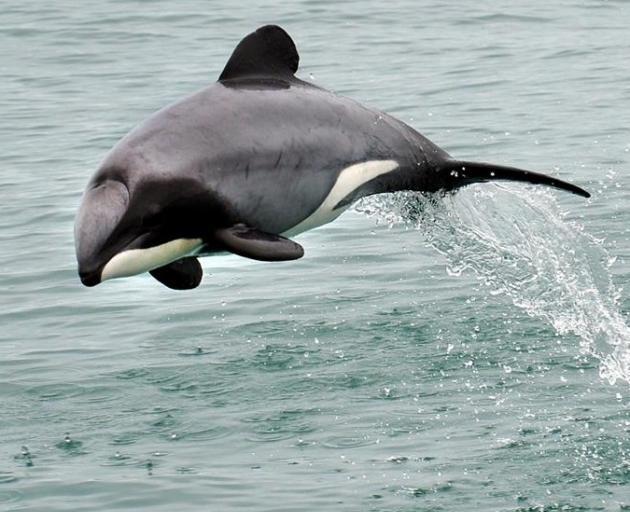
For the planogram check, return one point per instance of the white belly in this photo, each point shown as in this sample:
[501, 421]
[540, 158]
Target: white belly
[135, 261]
[350, 179]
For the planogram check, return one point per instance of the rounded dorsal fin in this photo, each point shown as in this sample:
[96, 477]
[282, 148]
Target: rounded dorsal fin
[268, 52]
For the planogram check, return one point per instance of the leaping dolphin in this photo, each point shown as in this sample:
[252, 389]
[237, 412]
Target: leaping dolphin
[247, 162]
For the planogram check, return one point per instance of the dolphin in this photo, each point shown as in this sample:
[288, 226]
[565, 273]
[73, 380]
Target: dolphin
[248, 162]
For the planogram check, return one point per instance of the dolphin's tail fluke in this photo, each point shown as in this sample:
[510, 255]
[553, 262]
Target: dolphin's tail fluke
[460, 173]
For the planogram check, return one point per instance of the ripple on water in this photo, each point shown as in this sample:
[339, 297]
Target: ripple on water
[58, 391]
[424, 491]
[344, 442]
[196, 352]
[167, 421]
[277, 357]
[132, 373]
[280, 426]
[71, 446]
[9, 496]
[121, 459]
[205, 434]
[162, 376]
[126, 438]
[7, 478]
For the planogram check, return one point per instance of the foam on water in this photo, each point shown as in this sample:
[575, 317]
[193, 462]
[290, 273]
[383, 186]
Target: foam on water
[524, 246]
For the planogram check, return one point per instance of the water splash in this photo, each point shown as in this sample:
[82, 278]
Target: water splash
[523, 246]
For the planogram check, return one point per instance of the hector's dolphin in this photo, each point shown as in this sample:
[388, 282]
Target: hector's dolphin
[241, 165]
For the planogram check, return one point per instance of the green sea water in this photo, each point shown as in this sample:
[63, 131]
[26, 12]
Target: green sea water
[468, 352]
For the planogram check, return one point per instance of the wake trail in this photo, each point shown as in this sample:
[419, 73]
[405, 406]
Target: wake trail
[520, 243]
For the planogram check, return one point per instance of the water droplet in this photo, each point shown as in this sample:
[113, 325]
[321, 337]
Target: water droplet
[25, 455]
[397, 459]
[69, 445]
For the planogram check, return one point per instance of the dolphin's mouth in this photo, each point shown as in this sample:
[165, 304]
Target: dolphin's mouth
[96, 274]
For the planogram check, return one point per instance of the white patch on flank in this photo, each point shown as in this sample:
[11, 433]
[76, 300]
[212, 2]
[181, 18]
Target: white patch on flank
[350, 179]
[136, 261]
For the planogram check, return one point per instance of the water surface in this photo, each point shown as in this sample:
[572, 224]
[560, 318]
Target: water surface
[464, 353]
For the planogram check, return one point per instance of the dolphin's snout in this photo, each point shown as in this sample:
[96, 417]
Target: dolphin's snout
[102, 208]
[91, 278]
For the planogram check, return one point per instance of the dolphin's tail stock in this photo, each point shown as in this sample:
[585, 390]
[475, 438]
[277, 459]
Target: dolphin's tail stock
[459, 173]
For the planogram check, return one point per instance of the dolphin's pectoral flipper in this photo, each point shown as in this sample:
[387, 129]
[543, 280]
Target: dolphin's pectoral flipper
[258, 245]
[183, 274]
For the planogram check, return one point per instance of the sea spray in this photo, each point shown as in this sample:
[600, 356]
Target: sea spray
[520, 243]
